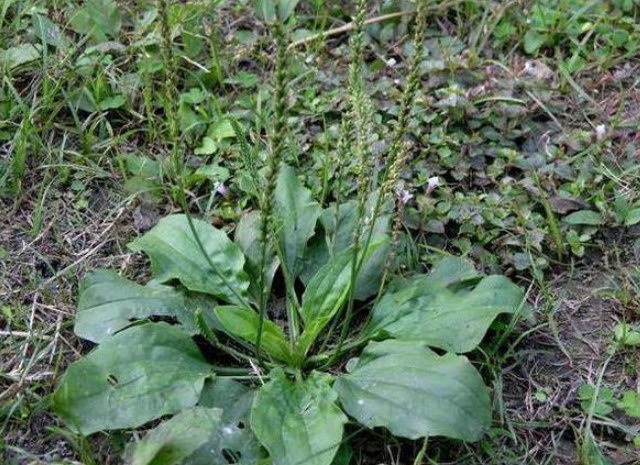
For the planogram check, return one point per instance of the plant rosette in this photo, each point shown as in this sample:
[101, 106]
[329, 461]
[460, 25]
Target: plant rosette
[284, 397]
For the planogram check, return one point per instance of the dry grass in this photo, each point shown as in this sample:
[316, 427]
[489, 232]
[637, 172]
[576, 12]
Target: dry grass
[38, 284]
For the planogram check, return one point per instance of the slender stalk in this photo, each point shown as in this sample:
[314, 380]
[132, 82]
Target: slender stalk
[397, 225]
[170, 82]
[216, 64]
[359, 112]
[246, 153]
[341, 157]
[398, 149]
[277, 148]
[396, 159]
[171, 99]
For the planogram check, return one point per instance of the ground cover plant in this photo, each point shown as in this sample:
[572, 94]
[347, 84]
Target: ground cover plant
[142, 371]
[118, 118]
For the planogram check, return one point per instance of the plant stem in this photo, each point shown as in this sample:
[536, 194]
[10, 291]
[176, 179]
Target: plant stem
[170, 83]
[277, 148]
[423, 450]
[398, 149]
[171, 97]
[359, 112]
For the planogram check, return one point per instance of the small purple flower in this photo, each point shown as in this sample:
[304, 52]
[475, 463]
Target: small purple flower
[222, 189]
[405, 196]
[432, 184]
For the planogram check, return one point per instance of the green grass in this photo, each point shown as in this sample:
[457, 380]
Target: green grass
[522, 122]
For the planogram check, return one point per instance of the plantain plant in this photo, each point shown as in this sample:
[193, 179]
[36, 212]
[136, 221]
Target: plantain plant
[260, 348]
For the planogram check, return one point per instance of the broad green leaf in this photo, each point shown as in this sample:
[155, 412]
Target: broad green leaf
[248, 238]
[432, 309]
[109, 303]
[221, 129]
[413, 392]
[232, 397]
[207, 147]
[602, 404]
[175, 254]
[265, 9]
[19, 55]
[453, 271]
[215, 173]
[326, 293]
[136, 376]
[178, 438]
[298, 422]
[286, 8]
[99, 18]
[327, 290]
[324, 296]
[337, 236]
[234, 436]
[45, 30]
[112, 102]
[243, 323]
[296, 214]
[586, 217]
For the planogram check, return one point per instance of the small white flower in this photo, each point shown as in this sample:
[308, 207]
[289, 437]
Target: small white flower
[391, 62]
[601, 131]
[432, 184]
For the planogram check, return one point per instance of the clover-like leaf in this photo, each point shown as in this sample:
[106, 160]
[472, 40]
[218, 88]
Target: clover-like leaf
[298, 422]
[175, 254]
[601, 400]
[630, 403]
[443, 308]
[135, 376]
[413, 392]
